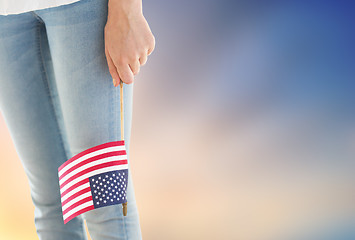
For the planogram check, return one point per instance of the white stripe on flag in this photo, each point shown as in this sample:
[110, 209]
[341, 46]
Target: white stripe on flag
[75, 190]
[78, 208]
[91, 164]
[92, 154]
[77, 199]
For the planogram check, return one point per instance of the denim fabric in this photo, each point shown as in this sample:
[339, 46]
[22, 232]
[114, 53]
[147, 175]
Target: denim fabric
[57, 99]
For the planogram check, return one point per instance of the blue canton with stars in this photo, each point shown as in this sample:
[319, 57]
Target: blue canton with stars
[109, 188]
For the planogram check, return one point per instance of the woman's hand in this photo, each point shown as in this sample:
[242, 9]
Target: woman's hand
[128, 39]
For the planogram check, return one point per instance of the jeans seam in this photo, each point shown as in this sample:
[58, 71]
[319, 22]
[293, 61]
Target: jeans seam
[36, 16]
[45, 82]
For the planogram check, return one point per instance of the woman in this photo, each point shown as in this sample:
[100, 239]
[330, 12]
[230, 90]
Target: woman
[60, 65]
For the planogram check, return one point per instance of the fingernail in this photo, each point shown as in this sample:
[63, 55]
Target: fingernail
[114, 82]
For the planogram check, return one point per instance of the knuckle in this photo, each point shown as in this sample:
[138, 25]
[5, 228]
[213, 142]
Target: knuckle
[127, 80]
[131, 58]
[136, 71]
[142, 54]
[152, 41]
[121, 61]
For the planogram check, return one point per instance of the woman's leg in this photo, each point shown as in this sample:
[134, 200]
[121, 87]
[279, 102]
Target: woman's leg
[90, 103]
[29, 105]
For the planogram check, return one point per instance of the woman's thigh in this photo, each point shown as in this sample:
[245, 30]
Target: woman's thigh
[29, 105]
[89, 102]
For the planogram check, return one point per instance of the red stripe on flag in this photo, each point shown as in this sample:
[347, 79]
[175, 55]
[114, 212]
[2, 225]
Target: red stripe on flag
[86, 180]
[78, 213]
[78, 203]
[93, 168]
[92, 159]
[92, 149]
[85, 190]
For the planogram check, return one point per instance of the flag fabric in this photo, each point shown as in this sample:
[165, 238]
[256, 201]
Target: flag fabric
[96, 177]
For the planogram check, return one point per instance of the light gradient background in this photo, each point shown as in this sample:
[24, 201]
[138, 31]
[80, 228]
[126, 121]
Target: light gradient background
[243, 125]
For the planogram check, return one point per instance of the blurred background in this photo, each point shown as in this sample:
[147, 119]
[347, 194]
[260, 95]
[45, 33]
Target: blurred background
[243, 125]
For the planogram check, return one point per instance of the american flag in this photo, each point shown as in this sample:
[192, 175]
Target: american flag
[94, 178]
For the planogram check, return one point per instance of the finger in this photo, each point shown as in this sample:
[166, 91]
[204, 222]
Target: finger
[112, 69]
[143, 59]
[152, 46]
[125, 73]
[150, 50]
[135, 67]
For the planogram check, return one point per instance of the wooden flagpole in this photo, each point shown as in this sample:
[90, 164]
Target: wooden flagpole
[124, 205]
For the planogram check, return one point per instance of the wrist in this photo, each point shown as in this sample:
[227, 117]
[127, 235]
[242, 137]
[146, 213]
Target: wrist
[126, 8]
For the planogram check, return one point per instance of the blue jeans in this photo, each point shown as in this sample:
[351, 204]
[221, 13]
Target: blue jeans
[57, 99]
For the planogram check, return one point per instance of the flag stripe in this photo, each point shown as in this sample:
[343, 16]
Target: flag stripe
[90, 150]
[77, 208]
[94, 164]
[77, 194]
[119, 149]
[93, 168]
[120, 155]
[87, 175]
[91, 164]
[78, 203]
[77, 186]
[85, 209]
